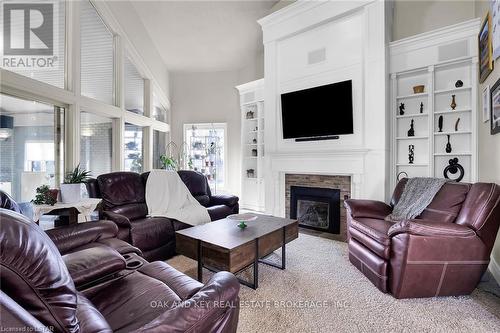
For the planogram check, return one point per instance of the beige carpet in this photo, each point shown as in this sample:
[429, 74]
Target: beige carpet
[320, 291]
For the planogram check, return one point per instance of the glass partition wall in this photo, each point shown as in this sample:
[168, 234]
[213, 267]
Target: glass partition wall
[101, 107]
[31, 146]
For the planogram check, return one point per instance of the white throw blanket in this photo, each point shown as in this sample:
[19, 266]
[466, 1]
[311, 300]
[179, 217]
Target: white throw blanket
[168, 196]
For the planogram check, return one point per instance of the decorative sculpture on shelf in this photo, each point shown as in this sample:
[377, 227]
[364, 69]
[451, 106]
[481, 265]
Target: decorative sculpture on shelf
[453, 102]
[411, 131]
[411, 154]
[459, 84]
[402, 109]
[421, 107]
[456, 125]
[453, 168]
[448, 145]
[254, 152]
[440, 123]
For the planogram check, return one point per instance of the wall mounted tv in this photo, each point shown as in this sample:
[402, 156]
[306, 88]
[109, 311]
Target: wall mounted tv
[318, 113]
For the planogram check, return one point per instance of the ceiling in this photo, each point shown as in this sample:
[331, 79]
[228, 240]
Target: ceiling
[205, 36]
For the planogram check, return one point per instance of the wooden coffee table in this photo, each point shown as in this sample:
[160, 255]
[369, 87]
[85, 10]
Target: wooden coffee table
[222, 246]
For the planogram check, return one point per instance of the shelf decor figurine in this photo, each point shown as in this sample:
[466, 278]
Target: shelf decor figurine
[411, 154]
[459, 84]
[250, 115]
[456, 125]
[418, 89]
[254, 152]
[453, 168]
[254, 141]
[448, 145]
[250, 173]
[440, 123]
[411, 131]
[453, 103]
[402, 109]
[421, 107]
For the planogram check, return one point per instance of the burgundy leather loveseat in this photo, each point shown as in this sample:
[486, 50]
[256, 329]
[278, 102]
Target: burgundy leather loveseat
[38, 292]
[124, 203]
[442, 252]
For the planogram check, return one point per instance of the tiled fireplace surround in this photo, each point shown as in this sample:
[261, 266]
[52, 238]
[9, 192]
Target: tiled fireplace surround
[343, 183]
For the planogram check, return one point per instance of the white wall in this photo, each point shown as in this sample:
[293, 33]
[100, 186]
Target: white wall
[414, 17]
[127, 17]
[212, 98]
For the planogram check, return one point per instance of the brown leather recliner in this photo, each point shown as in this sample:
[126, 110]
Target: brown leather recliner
[442, 252]
[38, 293]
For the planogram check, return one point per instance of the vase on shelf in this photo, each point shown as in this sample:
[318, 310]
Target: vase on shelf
[440, 123]
[448, 145]
[453, 102]
[411, 154]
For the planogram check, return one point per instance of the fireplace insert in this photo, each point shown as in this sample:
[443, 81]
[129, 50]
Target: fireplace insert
[316, 208]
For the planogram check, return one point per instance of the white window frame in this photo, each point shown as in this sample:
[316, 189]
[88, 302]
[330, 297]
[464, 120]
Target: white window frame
[74, 103]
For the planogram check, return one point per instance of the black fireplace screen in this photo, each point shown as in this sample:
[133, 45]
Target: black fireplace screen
[316, 208]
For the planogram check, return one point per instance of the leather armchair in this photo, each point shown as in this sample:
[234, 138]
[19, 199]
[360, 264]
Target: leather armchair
[442, 252]
[153, 298]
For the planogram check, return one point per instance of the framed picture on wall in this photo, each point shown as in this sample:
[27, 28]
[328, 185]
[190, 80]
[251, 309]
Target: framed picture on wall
[486, 103]
[495, 27]
[485, 49]
[495, 108]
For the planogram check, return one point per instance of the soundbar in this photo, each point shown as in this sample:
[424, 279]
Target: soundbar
[318, 138]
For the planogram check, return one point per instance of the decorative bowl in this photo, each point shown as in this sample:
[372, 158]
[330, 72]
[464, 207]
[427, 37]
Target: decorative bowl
[418, 89]
[244, 217]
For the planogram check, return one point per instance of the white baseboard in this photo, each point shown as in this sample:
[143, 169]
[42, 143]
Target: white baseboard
[494, 268]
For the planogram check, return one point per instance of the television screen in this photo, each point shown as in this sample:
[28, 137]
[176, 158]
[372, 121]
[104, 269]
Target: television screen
[319, 111]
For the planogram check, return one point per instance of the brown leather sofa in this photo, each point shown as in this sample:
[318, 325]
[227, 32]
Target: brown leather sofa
[442, 252]
[38, 293]
[124, 203]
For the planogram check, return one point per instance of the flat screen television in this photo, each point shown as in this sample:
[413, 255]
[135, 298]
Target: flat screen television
[324, 111]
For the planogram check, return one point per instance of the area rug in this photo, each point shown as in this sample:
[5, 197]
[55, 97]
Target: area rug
[320, 291]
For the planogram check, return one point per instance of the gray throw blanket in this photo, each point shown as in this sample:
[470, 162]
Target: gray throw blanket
[417, 195]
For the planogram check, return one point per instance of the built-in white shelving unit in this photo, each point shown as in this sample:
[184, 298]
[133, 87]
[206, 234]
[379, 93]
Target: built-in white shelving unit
[442, 61]
[252, 145]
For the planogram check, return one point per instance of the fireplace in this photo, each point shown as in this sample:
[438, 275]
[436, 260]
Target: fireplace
[316, 208]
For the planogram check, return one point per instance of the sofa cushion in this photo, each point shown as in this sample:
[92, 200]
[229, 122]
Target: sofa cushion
[136, 299]
[196, 182]
[121, 188]
[151, 232]
[89, 318]
[447, 203]
[374, 228]
[219, 212]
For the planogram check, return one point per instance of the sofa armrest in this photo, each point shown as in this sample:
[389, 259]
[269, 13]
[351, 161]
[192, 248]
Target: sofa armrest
[224, 199]
[367, 208]
[204, 312]
[430, 228]
[121, 220]
[73, 236]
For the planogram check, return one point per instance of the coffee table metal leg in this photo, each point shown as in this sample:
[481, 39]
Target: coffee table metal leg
[256, 265]
[200, 263]
[283, 251]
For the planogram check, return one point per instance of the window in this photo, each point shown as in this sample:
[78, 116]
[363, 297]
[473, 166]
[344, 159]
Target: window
[159, 110]
[205, 151]
[133, 151]
[97, 58]
[48, 68]
[159, 148]
[134, 88]
[96, 143]
[30, 146]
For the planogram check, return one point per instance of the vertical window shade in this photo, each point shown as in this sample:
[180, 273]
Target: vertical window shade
[50, 75]
[97, 55]
[96, 143]
[134, 88]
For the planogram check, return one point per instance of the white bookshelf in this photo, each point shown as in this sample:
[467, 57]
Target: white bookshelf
[252, 144]
[439, 78]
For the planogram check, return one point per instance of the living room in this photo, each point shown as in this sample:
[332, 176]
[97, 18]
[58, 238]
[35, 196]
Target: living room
[250, 166]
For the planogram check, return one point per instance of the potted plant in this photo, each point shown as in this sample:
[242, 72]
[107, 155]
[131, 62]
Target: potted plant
[169, 163]
[73, 189]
